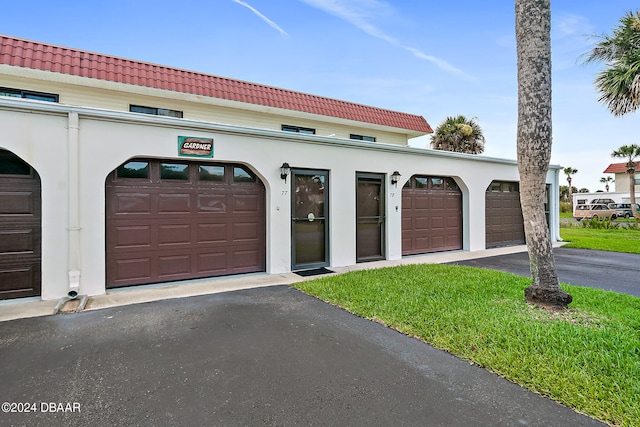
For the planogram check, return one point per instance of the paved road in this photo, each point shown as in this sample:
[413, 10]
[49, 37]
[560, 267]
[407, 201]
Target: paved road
[611, 271]
[259, 357]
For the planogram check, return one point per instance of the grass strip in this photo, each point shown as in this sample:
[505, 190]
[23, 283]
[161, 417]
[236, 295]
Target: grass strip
[587, 357]
[615, 240]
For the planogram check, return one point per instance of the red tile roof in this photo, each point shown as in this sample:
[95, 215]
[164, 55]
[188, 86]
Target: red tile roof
[40, 56]
[617, 168]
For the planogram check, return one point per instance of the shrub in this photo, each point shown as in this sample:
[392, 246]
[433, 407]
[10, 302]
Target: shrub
[566, 207]
[602, 224]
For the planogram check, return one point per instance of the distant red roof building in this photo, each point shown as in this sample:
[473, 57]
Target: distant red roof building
[617, 168]
[40, 56]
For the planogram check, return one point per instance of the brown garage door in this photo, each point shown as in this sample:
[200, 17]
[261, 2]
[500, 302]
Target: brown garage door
[503, 215]
[431, 215]
[172, 220]
[20, 228]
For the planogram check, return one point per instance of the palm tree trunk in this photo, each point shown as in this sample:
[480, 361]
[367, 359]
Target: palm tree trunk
[533, 27]
[632, 193]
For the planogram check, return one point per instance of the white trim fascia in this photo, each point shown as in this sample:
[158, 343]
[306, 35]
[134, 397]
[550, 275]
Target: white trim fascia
[28, 105]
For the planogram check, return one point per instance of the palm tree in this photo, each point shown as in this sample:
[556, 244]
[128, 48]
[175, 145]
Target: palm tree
[606, 180]
[619, 82]
[630, 152]
[568, 171]
[533, 42]
[460, 135]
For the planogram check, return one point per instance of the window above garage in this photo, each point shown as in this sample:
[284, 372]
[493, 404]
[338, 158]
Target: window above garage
[28, 94]
[298, 129]
[155, 111]
[362, 137]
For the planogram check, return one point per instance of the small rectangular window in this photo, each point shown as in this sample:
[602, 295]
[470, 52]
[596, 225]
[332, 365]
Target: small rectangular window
[362, 137]
[298, 129]
[10, 164]
[451, 184]
[241, 175]
[174, 171]
[636, 179]
[28, 94]
[134, 170]
[437, 184]
[421, 182]
[211, 173]
[155, 111]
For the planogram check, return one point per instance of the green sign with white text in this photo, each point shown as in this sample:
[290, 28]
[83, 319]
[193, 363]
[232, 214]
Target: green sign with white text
[191, 146]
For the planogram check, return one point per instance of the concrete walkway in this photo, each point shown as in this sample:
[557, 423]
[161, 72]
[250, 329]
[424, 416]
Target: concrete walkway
[33, 307]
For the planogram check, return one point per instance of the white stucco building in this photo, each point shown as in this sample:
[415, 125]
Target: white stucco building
[116, 172]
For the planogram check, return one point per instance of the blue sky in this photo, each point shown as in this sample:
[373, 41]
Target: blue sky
[428, 58]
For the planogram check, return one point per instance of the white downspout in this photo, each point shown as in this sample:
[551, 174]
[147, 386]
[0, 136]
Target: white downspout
[554, 203]
[74, 205]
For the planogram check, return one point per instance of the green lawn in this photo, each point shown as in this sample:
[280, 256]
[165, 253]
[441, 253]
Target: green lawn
[587, 357]
[605, 240]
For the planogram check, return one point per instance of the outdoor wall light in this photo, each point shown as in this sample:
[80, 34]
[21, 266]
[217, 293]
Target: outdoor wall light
[284, 171]
[395, 177]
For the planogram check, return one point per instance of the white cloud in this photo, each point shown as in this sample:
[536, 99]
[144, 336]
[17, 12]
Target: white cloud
[569, 25]
[439, 62]
[264, 18]
[359, 13]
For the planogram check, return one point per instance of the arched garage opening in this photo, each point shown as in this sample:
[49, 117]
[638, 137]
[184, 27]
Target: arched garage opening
[431, 215]
[20, 228]
[504, 224]
[170, 220]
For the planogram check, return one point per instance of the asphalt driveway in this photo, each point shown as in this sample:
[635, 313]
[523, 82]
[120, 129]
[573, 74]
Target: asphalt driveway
[264, 356]
[611, 271]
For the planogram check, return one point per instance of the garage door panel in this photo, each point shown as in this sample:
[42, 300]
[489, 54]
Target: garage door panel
[437, 223]
[437, 202]
[172, 265]
[406, 223]
[438, 242]
[246, 259]
[174, 204]
[17, 282]
[213, 263]
[453, 202]
[175, 235]
[212, 233]
[212, 203]
[134, 269]
[131, 203]
[421, 223]
[248, 231]
[421, 203]
[246, 203]
[17, 241]
[407, 201]
[137, 237]
[17, 203]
